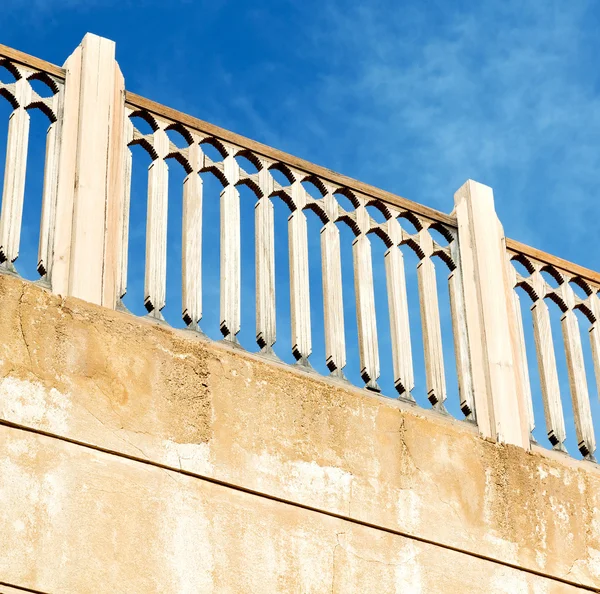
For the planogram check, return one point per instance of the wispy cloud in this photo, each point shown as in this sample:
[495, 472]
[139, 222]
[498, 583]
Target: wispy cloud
[503, 99]
[417, 102]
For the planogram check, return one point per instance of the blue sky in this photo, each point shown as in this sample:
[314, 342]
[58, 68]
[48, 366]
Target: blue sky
[413, 97]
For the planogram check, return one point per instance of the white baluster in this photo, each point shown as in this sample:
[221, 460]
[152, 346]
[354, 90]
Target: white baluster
[365, 303]
[156, 227]
[14, 176]
[230, 252]
[299, 280]
[333, 305]
[404, 380]
[595, 344]
[49, 193]
[595, 337]
[264, 228]
[124, 224]
[191, 240]
[586, 441]
[524, 367]
[430, 322]
[544, 344]
[459, 333]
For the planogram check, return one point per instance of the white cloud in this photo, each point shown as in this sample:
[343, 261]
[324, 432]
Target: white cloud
[418, 101]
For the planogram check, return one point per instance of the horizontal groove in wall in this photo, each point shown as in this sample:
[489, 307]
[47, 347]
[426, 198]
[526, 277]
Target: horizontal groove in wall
[345, 518]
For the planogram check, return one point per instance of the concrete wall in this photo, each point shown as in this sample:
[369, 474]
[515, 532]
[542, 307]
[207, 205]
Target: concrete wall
[137, 458]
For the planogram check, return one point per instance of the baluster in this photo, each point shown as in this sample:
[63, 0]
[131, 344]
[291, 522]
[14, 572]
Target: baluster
[520, 337]
[430, 321]
[299, 280]
[191, 240]
[524, 367]
[404, 380]
[595, 337]
[264, 228]
[365, 303]
[586, 441]
[230, 251]
[156, 227]
[459, 333]
[124, 255]
[49, 192]
[14, 176]
[595, 344]
[544, 346]
[399, 323]
[333, 305]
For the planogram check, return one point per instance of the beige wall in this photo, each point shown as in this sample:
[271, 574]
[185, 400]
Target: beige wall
[136, 458]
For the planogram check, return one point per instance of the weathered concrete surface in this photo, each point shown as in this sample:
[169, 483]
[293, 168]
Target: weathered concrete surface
[136, 389]
[77, 520]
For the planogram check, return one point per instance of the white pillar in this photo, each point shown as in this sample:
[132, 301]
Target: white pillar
[90, 202]
[491, 318]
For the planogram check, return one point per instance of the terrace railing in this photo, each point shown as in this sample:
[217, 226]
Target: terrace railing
[23, 98]
[567, 277]
[84, 242]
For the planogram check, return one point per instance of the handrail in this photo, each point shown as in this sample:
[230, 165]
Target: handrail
[31, 61]
[546, 258]
[336, 178]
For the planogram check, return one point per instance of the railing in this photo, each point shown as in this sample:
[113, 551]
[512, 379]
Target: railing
[298, 200]
[84, 244]
[567, 276]
[24, 98]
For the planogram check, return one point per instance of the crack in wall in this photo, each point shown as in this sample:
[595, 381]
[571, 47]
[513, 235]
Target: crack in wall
[20, 320]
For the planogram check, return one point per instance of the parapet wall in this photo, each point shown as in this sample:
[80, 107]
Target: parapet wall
[139, 458]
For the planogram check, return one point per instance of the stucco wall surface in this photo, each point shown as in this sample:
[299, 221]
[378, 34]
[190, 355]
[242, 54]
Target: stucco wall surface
[78, 520]
[138, 458]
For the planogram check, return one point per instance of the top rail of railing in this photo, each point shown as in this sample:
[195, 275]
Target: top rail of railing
[199, 125]
[31, 61]
[139, 102]
[564, 266]
[368, 191]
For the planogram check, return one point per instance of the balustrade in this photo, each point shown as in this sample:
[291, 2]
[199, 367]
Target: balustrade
[539, 290]
[23, 98]
[331, 213]
[488, 341]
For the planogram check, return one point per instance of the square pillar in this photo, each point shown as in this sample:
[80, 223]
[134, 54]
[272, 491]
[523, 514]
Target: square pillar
[90, 198]
[492, 327]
